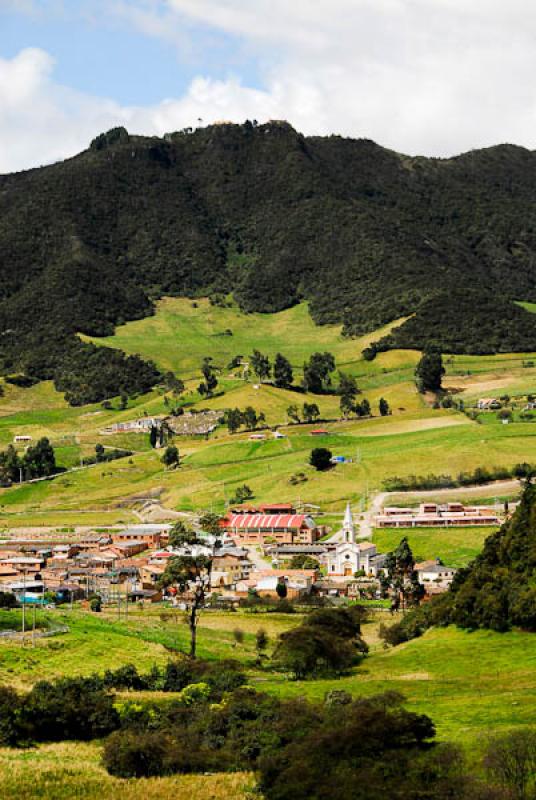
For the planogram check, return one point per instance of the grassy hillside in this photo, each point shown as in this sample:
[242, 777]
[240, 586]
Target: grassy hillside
[464, 681]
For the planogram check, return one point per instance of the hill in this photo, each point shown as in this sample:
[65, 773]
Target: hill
[365, 234]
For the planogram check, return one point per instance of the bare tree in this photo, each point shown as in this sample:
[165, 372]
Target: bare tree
[191, 577]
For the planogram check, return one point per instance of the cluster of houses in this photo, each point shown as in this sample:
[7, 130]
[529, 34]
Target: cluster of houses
[253, 554]
[433, 515]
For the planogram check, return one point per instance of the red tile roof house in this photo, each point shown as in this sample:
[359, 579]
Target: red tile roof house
[280, 528]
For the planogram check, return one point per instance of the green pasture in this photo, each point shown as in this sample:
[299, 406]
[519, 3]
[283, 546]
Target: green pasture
[212, 470]
[456, 547]
[470, 684]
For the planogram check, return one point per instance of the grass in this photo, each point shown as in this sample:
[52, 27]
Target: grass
[454, 546]
[73, 771]
[468, 683]
[96, 642]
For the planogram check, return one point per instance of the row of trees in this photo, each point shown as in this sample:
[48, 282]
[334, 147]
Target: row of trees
[234, 418]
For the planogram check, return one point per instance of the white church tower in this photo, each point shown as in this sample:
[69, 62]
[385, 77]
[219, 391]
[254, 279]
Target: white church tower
[348, 531]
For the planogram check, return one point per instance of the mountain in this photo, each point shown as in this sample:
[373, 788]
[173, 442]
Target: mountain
[365, 234]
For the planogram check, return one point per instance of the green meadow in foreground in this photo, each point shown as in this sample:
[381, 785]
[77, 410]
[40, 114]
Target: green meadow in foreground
[467, 682]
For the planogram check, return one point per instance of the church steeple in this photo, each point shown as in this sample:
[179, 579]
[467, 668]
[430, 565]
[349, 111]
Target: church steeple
[348, 525]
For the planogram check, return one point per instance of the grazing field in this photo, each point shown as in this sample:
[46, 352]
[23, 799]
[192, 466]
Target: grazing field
[465, 681]
[96, 642]
[73, 771]
[456, 547]
[470, 684]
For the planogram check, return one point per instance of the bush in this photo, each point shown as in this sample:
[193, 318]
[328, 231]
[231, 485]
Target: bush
[136, 754]
[69, 708]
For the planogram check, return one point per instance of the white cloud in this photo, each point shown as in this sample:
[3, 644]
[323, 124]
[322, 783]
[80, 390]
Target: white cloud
[418, 76]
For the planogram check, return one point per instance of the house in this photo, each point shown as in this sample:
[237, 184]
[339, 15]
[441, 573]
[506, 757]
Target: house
[264, 583]
[488, 404]
[319, 432]
[150, 534]
[434, 572]
[229, 565]
[348, 557]
[278, 528]
[258, 436]
[127, 549]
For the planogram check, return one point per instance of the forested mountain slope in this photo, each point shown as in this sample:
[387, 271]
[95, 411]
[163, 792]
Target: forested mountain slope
[363, 233]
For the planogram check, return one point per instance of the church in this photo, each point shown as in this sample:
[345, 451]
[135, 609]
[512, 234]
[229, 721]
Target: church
[347, 557]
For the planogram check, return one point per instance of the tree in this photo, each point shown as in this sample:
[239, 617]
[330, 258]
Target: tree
[320, 458]
[363, 409]
[123, 401]
[293, 413]
[347, 385]
[303, 561]
[99, 453]
[281, 589]
[171, 456]
[505, 414]
[249, 416]
[153, 435]
[242, 493]
[95, 604]
[210, 523]
[317, 372]
[39, 460]
[181, 535]
[511, 761]
[261, 642]
[260, 364]
[429, 371]
[401, 575]
[233, 419]
[208, 386]
[346, 405]
[8, 600]
[310, 412]
[173, 384]
[191, 577]
[283, 375]
[383, 406]
[238, 636]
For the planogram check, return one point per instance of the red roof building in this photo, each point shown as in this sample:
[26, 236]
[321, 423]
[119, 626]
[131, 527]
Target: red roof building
[280, 528]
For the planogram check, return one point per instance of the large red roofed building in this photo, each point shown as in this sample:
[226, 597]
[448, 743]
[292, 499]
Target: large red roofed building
[281, 528]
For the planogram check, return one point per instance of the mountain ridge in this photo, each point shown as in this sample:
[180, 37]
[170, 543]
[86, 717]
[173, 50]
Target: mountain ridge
[365, 234]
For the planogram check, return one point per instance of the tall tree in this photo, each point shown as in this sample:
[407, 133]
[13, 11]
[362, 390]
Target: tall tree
[191, 578]
[293, 413]
[310, 412]
[260, 364]
[384, 407]
[401, 574]
[317, 372]
[429, 371]
[283, 375]
[210, 382]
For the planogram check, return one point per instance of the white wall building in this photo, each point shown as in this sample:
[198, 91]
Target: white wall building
[349, 557]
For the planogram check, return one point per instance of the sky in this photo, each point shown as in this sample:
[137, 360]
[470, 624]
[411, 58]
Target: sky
[428, 77]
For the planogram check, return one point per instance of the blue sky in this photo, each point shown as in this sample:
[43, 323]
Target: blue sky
[432, 77]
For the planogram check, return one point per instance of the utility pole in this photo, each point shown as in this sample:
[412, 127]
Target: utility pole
[23, 605]
[33, 626]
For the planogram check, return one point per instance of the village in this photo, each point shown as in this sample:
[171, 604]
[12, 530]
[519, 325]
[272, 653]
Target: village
[255, 550]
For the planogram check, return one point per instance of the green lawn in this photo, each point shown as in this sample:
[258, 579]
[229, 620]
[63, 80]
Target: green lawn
[456, 547]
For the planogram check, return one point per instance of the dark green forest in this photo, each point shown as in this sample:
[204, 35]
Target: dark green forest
[365, 234]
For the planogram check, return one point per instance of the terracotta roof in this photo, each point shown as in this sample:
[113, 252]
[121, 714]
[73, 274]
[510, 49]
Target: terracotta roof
[266, 521]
